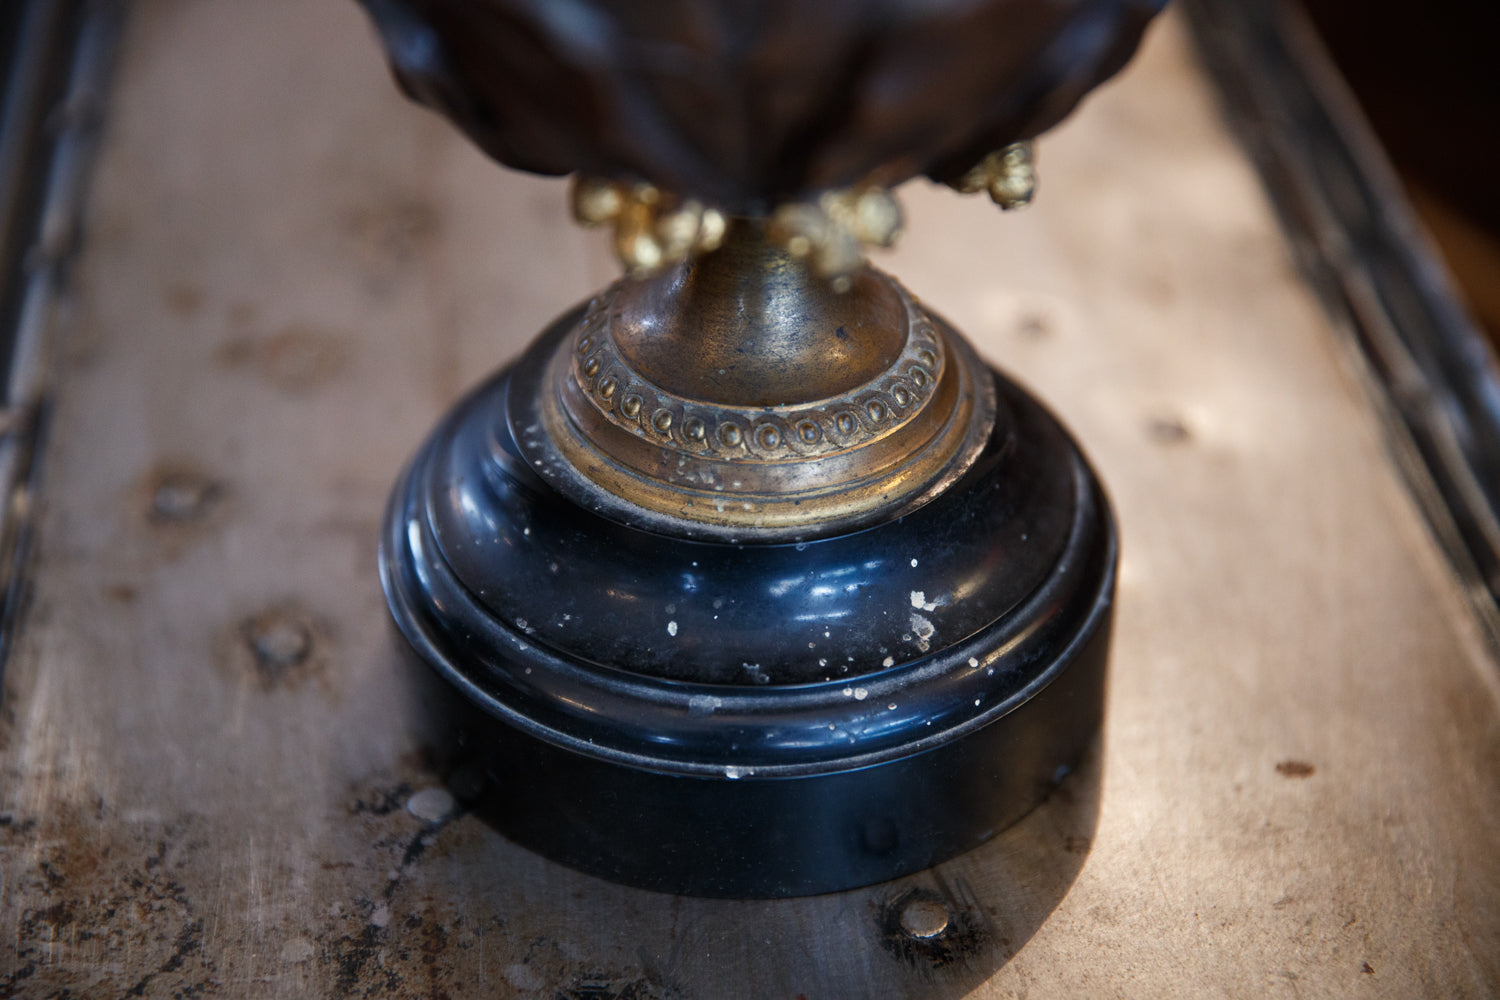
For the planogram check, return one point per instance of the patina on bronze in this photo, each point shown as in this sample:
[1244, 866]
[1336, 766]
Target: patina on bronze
[741, 396]
[749, 577]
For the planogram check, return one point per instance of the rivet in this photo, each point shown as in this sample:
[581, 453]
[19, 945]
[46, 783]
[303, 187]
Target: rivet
[585, 345]
[846, 423]
[767, 436]
[809, 432]
[591, 367]
[730, 435]
[607, 386]
[278, 640]
[918, 375]
[901, 395]
[924, 918]
[692, 428]
[662, 420]
[876, 409]
[927, 357]
[631, 407]
[431, 805]
[182, 496]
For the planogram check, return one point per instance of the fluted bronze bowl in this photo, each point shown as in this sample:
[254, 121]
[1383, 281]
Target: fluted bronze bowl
[748, 104]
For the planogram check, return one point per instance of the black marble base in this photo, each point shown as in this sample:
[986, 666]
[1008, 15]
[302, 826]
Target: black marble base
[740, 719]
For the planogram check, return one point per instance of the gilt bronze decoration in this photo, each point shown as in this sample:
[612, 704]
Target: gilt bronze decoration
[749, 577]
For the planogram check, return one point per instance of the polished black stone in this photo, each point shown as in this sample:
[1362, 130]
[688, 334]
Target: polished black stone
[755, 719]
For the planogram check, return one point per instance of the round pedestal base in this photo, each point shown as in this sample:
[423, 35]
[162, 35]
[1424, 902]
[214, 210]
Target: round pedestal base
[723, 718]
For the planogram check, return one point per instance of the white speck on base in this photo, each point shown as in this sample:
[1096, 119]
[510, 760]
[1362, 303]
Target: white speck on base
[703, 704]
[848, 692]
[973, 662]
[671, 628]
[381, 916]
[734, 773]
[526, 532]
[889, 661]
[923, 629]
[913, 564]
[976, 701]
[919, 600]
[860, 694]
[822, 663]
[891, 706]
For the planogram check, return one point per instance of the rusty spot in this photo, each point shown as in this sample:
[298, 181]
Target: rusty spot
[180, 494]
[103, 913]
[282, 646]
[925, 929]
[1366, 968]
[297, 359]
[1168, 430]
[1295, 769]
[183, 299]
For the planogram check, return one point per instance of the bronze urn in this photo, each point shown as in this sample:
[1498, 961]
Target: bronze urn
[749, 577]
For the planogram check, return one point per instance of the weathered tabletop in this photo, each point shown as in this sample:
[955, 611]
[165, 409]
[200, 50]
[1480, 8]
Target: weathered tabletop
[212, 785]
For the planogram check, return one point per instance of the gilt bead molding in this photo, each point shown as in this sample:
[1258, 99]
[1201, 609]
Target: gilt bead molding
[756, 434]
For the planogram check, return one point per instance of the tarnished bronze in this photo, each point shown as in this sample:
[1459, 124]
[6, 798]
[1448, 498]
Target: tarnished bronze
[741, 392]
[591, 548]
[759, 379]
[1008, 175]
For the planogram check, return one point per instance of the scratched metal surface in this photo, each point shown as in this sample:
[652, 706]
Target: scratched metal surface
[209, 752]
